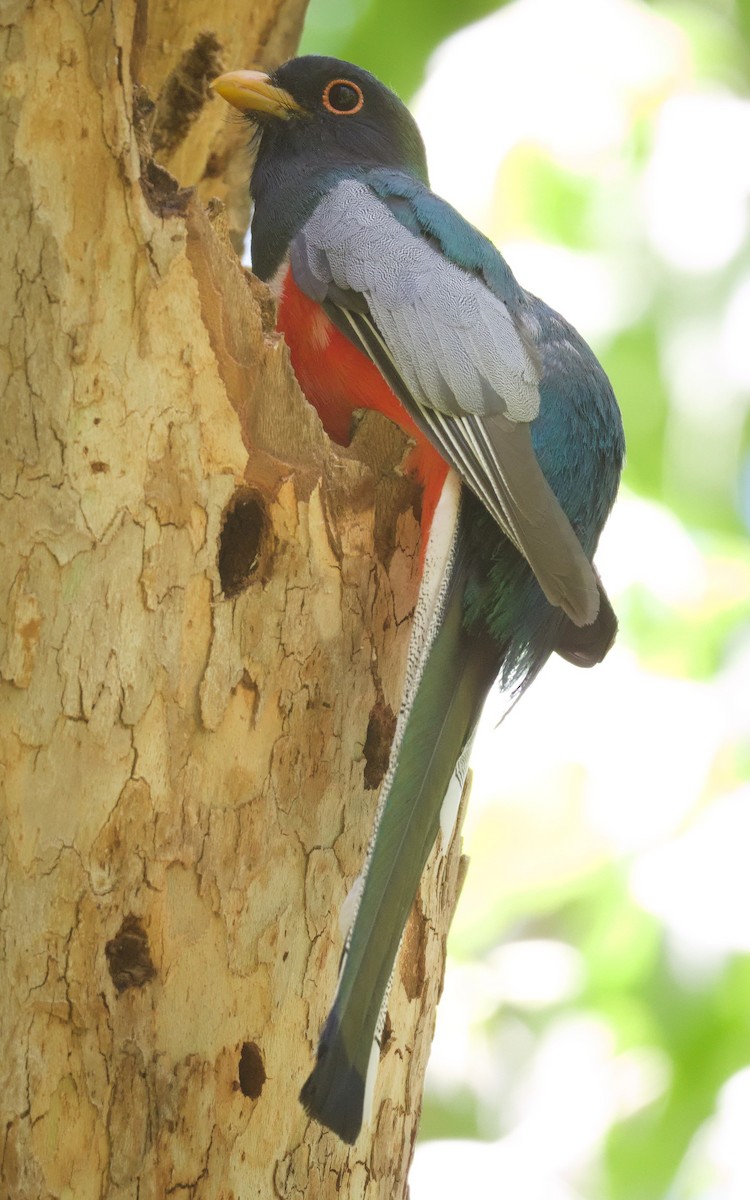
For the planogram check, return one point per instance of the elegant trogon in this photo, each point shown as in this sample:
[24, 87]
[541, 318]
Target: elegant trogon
[390, 300]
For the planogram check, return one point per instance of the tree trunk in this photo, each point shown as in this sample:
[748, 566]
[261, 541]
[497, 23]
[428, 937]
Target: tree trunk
[204, 616]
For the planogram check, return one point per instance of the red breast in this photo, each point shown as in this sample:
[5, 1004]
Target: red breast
[338, 379]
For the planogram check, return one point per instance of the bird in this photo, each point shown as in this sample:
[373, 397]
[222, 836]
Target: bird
[390, 300]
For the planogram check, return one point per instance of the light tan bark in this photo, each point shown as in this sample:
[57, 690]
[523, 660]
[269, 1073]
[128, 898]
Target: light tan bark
[204, 614]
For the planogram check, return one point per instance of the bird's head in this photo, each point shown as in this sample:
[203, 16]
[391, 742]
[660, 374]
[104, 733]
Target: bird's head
[325, 115]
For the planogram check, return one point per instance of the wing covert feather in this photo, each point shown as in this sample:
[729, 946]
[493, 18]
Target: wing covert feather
[427, 308]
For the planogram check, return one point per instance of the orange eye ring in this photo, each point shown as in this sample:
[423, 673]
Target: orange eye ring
[342, 112]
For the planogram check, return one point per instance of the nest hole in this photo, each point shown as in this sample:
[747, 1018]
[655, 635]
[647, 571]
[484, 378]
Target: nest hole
[252, 1073]
[240, 542]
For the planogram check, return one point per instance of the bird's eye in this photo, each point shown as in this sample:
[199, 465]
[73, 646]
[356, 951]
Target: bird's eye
[343, 97]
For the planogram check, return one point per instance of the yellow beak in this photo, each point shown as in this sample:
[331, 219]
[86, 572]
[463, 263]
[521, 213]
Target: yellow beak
[252, 91]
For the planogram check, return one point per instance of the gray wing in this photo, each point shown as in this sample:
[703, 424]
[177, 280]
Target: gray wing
[453, 354]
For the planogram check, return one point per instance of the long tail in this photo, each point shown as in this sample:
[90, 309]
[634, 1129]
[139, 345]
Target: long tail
[450, 673]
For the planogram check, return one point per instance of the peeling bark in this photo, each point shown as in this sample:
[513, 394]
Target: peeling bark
[204, 616]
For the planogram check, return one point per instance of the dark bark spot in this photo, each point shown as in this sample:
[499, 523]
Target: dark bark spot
[162, 192]
[185, 92]
[252, 1073]
[128, 955]
[99, 468]
[216, 165]
[385, 1038]
[380, 730]
[240, 542]
[413, 949]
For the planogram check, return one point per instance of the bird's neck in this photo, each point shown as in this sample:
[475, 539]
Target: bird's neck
[283, 199]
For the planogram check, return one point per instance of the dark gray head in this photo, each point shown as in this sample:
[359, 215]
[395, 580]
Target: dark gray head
[326, 114]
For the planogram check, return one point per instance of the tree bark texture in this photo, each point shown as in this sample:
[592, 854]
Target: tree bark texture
[204, 616]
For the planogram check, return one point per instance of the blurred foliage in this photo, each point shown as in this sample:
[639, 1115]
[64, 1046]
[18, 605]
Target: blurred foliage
[688, 431]
[394, 40]
[391, 38]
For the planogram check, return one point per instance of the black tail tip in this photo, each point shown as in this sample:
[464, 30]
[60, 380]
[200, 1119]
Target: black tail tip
[587, 645]
[334, 1093]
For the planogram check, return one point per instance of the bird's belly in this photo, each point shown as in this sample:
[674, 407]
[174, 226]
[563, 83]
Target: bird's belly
[338, 378]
